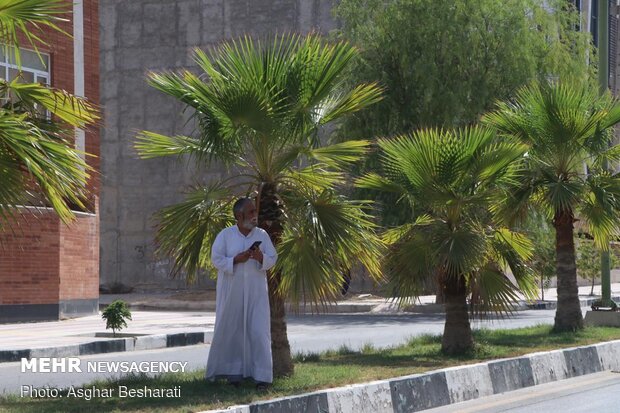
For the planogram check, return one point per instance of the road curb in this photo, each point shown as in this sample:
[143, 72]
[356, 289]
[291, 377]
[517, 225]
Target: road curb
[552, 305]
[145, 342]
[447, 386]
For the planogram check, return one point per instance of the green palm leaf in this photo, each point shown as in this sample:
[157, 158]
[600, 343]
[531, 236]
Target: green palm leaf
[71, 109]
[37, 164]
[26, 18]
[325, 236]
[187, 230]
[339, 155]
[58, 171]
[455, 178]
[152, 145]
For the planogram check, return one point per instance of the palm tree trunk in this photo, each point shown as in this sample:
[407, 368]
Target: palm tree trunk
[568, 314]
[280, 347]
[440, 293]
[457, 336]
[270, 219]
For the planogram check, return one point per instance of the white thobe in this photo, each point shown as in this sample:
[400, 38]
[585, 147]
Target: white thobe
[241, 345]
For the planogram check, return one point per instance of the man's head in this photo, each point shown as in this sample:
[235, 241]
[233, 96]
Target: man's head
[244, 211]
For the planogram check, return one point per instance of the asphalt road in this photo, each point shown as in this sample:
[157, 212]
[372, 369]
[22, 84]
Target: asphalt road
[599, 392]
[317, 333]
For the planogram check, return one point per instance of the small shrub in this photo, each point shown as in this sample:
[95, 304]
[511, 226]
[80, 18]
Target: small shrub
[115, 316]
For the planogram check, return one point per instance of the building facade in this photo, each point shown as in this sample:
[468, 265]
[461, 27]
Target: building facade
[136, 37]
[159, 35]
[49, 270]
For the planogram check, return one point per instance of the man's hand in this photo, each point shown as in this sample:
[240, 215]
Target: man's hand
[256, 254]
[242, 257]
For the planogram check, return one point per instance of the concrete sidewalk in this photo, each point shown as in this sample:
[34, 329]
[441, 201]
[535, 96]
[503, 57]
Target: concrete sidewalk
[204, 300]
[80, 336]
[177, 319]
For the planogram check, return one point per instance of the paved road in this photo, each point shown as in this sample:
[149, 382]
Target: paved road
[599, 392]
[317, 333]
[306, 334]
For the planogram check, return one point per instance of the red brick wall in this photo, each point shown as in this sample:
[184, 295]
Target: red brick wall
[91, 79]
[30, 259]
[79, 258]
[42, 260]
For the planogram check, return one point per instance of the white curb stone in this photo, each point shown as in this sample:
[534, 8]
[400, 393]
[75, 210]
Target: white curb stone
[361, 398]
[151, 342]
[548, 367]
[609, 355]
[468, 382]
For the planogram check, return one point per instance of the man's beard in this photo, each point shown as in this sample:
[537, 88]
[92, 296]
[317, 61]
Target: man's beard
[248, 224]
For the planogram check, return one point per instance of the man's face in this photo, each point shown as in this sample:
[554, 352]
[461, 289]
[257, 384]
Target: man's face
[249, 219]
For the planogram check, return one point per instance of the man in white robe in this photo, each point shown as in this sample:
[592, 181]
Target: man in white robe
[241, 345]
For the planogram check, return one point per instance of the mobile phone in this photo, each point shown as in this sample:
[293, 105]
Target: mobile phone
[255, 245]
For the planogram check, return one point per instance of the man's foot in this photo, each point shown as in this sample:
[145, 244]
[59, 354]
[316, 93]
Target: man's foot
[262, 386]
[234, 383]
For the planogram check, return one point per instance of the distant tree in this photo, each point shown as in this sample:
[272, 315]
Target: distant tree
[542, 261]
[589, 260]
[444, 63]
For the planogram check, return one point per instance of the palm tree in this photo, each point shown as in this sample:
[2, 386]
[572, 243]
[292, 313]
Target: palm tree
[37, 161]
[448, 180]
[568, 131]
[260, 108]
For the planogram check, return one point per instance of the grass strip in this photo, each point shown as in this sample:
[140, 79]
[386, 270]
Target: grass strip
[314, 371]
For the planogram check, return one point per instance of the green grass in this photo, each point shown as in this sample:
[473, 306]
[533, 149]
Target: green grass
[316, 371]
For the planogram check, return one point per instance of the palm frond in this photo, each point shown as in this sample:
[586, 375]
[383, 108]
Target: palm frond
[513, 250]
[411, 264]
[152, 145]
[337, 106]
[332, 232]
[599, 208]
[562, 194]
[186, 231]
[57, 170]
[314, 178]
[394, 235]
[377, 182]
[339, 155]
[491, 292]
[71, 109]
[25, 19]
[12, 191]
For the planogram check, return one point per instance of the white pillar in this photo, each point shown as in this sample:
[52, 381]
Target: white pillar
[78, 64]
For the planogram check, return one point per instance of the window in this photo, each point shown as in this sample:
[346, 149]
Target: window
[34, 67]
